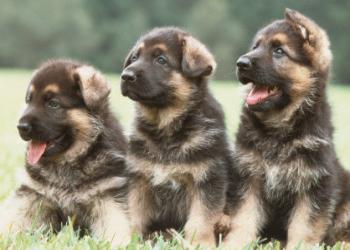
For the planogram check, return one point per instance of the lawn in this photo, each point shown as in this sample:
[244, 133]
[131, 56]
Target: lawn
[13, 85]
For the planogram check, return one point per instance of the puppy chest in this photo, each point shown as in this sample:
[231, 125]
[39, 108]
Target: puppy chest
[293, 177]
[170, 207]
[176, 174]
[280, 176]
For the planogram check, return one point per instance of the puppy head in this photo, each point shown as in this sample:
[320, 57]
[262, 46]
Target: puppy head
[164, 65]
[287, 60]
[62, 99]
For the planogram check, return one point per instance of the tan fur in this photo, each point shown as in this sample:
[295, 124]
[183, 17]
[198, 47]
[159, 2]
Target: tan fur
[318, 45]
[160, 46]
[246, 222]
[111, 222]
[13, 214]
[31, 88]
[164, 117]
[302, 229]
[159, 173]
[259, 38]
[284, 42]
[24, 212]
[339, 231]
[94, 86]
[54, 88]
[65, 198]
[301, 77]
[199, 139]
[139, 206]
[194, 52]
[199, 228]
[310, 142]
[296, 176]
[301, 87]
[86, 130]
[141, 46]
[223, 226]
[280, 37]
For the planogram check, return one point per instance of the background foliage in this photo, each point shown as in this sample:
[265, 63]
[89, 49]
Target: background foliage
[101, 32]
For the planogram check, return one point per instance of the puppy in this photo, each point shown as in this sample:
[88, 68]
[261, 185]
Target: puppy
[293, 187]
[178, 151]
[75, 157]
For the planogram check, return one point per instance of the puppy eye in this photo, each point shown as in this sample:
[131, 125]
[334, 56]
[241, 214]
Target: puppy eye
[28, 98]
[278, 52]
[133, 58]
[255, 46]
[53, 104]
[161, 60]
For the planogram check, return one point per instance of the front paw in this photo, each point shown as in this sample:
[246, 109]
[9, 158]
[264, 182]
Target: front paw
[237, 241]
[300, 245]
[204, 238]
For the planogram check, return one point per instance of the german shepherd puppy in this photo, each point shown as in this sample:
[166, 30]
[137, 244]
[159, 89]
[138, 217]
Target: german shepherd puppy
[75, 156]
[294, 188]
[178, 152]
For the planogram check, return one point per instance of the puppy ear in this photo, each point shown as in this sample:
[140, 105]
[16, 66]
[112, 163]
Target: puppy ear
[196, 58]
[93, 85]
[307, 28]
[315, 38]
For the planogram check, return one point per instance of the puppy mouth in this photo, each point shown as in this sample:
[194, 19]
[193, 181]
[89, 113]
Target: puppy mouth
[38, 149]
[133, 96]
[150, 99]
[260, 94]
[129, 92]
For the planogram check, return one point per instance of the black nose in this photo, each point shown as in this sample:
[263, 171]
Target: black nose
[244, 63]
[24, 128]
[128, 76]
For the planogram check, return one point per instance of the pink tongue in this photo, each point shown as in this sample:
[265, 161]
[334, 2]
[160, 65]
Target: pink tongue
[35, 151]
[257, 95]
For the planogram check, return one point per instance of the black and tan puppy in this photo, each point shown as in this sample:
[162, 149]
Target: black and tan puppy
[178, 150]
[75, 156]
[294, 187]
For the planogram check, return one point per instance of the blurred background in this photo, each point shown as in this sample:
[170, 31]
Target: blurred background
[101, 32]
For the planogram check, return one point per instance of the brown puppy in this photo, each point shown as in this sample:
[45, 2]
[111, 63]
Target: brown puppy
[178, 151]
[75, 155]
[293, 188]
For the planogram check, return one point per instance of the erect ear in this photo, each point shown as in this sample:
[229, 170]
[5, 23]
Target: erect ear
[93, 85]
[196, 58]
[307, 28]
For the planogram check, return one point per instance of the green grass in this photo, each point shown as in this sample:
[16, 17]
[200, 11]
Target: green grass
[13, 85]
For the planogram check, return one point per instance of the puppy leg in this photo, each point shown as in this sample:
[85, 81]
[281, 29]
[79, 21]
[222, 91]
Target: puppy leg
[199, 228]
[305, 227]
[140, 207]
[245, 222]
[206, 209]
[340, 231]
[110, 222]
[27, 210]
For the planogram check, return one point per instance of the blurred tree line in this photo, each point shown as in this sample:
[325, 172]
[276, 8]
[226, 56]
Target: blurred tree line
[102, 31]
